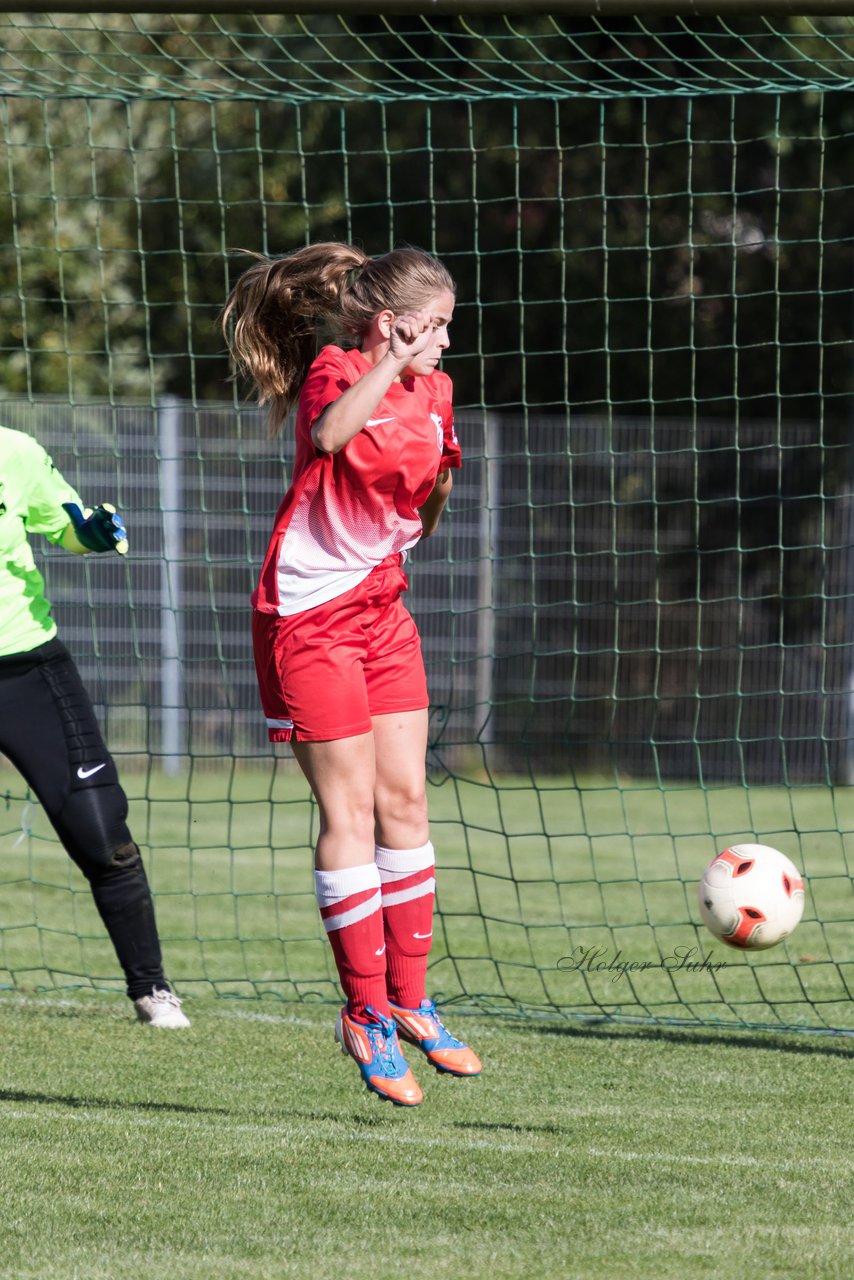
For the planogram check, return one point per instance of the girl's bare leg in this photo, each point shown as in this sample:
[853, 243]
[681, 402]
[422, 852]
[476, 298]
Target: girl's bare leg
[400, 797]
[342, 777]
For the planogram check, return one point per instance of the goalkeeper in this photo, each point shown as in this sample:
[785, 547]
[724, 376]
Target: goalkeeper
[48, 728]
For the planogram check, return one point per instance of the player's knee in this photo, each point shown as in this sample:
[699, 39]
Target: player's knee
[402, 808]
[126, 856]
[93, 830]
[351, 816]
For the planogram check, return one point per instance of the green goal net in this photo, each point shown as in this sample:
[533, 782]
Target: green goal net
[638, 614]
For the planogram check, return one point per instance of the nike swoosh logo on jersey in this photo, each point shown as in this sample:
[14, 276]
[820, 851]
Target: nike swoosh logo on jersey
[375, 422]
[423, 935]
[87, 773]
[381, 950]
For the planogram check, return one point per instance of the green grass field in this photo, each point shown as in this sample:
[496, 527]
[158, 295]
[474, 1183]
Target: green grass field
[597, 1149]
[246, 1149]
[531, 878]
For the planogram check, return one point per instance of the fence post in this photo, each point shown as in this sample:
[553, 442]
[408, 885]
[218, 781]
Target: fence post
[488, 532]
[171, 507]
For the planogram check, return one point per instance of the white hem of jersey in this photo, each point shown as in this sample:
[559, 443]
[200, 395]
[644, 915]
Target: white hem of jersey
[330, 591]
[292, 602]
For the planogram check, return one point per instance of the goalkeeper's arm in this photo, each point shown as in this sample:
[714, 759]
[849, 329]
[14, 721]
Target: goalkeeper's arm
[100, 530]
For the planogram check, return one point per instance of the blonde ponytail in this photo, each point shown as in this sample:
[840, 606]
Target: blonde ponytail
[272, 315]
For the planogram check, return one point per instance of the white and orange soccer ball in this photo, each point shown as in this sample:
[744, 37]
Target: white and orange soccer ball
[751, 896]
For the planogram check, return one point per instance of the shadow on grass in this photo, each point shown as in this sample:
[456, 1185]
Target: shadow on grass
[779, 1042]
[523, 1130]
[105, 1104]
[386, 1112]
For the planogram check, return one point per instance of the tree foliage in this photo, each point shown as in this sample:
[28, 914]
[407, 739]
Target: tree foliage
[612, 253]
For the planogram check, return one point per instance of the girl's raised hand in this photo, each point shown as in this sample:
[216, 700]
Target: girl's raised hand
[411, 334]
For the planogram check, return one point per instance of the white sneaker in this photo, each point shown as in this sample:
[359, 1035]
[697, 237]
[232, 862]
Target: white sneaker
[161, 1009]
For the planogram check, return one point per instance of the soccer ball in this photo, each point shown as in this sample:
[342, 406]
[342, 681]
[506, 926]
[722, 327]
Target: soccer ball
[751, 896]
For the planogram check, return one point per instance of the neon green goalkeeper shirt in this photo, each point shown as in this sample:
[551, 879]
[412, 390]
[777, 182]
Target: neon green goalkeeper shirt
[32, 492]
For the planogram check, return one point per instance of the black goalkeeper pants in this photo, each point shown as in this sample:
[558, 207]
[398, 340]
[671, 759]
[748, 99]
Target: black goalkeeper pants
[49, 732]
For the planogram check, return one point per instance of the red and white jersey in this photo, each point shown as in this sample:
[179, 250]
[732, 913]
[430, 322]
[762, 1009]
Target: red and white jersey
[346, 512]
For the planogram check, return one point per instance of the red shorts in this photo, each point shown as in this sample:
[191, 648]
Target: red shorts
[322, 674]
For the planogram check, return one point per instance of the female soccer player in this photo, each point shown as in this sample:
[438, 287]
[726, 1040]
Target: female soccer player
[338, 657]
[48, 728]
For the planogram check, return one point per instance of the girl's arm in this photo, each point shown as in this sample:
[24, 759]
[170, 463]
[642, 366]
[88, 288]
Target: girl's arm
[343, 419]
[346, 416]
[435, 504]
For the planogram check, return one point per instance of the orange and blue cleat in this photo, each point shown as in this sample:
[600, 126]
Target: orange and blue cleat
[375, 1049]
[423, 1027]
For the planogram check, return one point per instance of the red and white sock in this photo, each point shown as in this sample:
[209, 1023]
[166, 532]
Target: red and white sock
[408, 889]
[351, 910]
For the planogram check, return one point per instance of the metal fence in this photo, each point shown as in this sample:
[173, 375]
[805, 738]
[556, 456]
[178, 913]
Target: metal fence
[669, 597]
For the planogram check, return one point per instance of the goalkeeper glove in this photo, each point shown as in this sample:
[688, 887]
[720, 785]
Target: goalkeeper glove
[100, 530]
